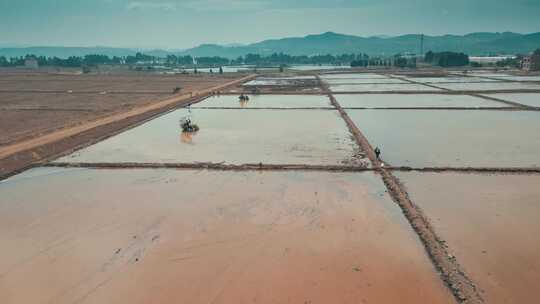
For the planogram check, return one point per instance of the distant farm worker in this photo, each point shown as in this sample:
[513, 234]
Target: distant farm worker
[378, 153]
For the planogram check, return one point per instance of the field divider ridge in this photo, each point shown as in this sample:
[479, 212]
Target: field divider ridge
[451, 272]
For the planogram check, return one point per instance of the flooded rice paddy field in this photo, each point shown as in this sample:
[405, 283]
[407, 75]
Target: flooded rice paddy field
[490, 86]
[317, 67]
[266, 101]
[333, 81]
[353, 76]
[148, 236]
[412, 101]
[282, 81]
[518, 78]
[529, 99]
[457, 138]
[380, 87]
[450, 79]
[209, 236]
[491, 224]
[316, 137]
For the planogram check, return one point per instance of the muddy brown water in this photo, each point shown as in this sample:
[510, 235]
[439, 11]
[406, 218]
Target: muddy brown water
[410, 101]
[438, 138]
[491, 224]
[529, 99]
[267, 101]
[149, 236]
[380, 87]
[233, 137]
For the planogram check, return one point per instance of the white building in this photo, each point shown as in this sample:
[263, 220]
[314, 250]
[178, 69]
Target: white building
[31, 63]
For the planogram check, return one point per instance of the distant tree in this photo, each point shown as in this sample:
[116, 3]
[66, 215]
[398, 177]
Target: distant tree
[400, 61]
[171, 60]
[537, 52]
[216, 60]
[510, 62]
[447, 59]
[252, 59]
[184, 60]
[195, 70]
[357, 63]
[3, 61]
[475, 64]
[429, 56]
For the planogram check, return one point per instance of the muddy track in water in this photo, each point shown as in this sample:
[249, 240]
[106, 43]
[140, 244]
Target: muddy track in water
[461, 286]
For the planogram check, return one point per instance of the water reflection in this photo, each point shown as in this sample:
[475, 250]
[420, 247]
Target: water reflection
[187, 137]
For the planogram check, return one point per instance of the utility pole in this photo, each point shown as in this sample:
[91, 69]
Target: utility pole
[422, 45]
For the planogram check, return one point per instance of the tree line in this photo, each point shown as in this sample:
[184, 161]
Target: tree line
[444, 59]
[447, 59]
[187, 60]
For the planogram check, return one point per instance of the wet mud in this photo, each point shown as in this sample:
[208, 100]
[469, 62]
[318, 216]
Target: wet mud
[148, 236]
[490, 223]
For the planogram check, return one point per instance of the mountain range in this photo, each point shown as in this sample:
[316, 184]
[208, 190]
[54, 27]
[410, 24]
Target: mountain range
[475, 44]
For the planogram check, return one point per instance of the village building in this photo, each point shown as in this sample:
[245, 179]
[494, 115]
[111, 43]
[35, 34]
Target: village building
[531, 63]
[31, 63]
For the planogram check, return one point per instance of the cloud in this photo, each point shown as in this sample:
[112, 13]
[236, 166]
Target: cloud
[147, 5]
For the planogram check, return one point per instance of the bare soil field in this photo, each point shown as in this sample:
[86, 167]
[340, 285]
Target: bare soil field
[128, 82]
[22, 124]
[490, 223]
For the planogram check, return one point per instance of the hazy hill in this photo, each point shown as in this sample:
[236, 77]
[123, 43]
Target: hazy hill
[333, 43]
[326, 43]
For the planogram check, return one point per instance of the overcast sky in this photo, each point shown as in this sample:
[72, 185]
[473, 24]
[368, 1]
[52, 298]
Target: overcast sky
[186, 23]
